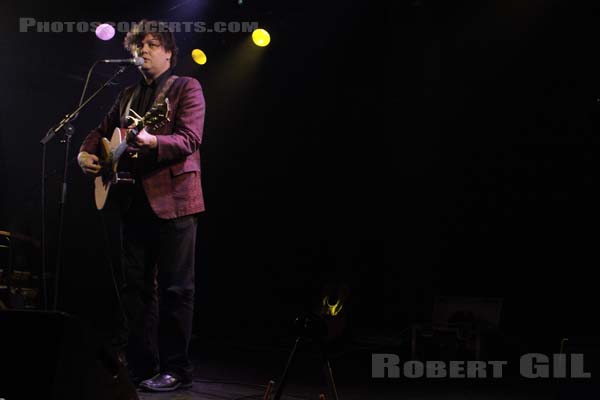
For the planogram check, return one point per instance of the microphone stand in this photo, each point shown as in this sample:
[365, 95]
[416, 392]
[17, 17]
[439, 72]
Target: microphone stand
[65, 127]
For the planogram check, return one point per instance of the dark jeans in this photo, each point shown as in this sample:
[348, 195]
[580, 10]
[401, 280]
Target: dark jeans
[158, 293]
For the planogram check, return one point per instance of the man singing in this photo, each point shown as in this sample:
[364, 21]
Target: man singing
[158, 212]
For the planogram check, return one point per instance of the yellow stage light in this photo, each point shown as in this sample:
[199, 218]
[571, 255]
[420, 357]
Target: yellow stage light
[199, 56]
[261, 37]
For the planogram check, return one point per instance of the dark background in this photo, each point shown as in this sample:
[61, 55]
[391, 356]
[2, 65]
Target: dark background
[421, 149]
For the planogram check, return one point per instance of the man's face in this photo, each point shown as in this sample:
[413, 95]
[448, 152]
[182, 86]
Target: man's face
[156, 58]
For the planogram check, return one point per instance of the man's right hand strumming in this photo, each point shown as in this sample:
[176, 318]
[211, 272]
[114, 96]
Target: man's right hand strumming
[89, 163]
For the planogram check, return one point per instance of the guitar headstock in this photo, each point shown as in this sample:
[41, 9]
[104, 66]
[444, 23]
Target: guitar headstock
[155, 117]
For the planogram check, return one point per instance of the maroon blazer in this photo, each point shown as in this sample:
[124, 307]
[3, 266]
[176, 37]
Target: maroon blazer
[172, 182]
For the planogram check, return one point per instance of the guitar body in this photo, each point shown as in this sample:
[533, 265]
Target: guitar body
[111, 151]
[108, 175]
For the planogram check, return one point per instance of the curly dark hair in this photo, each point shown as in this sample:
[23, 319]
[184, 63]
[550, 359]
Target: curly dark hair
[158, 29]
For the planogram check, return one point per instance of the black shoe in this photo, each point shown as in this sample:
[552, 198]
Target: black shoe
[165, 382]
[137, 377]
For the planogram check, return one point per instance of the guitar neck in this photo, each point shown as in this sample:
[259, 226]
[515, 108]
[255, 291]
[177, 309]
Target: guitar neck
[121, 148]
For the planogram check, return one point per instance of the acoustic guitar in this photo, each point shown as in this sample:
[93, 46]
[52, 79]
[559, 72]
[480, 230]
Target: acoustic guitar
[112, 151]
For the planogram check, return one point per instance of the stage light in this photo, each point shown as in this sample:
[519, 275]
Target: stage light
[331, 309]
[199, 56]
[261, 38]
[105, 32]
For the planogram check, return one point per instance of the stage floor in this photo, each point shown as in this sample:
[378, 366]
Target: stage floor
[231, 371]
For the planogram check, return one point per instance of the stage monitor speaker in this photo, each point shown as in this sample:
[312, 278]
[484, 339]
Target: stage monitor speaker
[53, 355]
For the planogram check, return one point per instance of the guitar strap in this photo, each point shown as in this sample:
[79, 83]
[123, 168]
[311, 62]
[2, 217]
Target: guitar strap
[164, 89]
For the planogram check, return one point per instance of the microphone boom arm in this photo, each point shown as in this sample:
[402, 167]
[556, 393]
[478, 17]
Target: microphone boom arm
[52, 132]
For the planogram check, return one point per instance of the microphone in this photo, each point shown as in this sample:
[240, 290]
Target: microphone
[137, 61]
